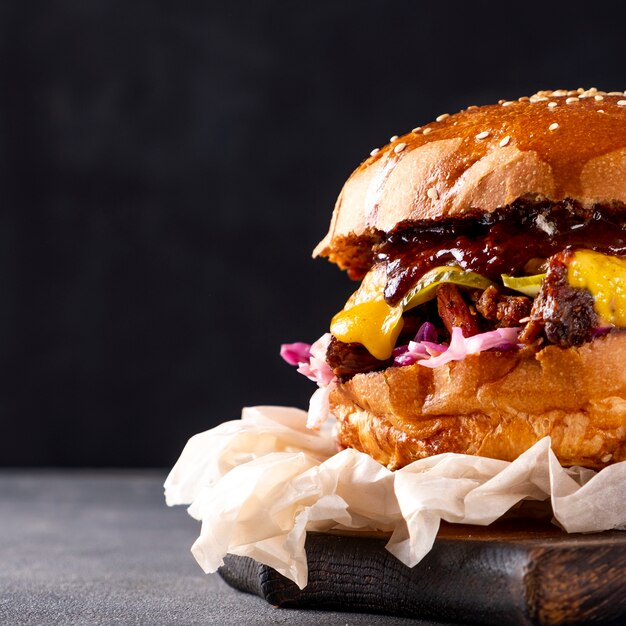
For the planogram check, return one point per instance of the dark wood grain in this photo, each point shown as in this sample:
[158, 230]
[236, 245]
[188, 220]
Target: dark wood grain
[513, 572]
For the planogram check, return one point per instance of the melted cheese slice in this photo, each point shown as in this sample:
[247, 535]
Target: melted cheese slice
[604, 277]
[367, 319]
[374, 324]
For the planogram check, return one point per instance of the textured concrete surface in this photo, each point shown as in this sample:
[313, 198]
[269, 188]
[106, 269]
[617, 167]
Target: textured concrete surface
[101, 547]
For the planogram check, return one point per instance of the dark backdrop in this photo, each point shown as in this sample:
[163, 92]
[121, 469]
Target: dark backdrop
[167, 168]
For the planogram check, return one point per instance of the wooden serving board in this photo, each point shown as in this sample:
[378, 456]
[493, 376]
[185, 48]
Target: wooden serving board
[512, 572]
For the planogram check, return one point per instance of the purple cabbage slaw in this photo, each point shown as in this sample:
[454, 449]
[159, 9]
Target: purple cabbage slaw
[310, 359]
[424, 349]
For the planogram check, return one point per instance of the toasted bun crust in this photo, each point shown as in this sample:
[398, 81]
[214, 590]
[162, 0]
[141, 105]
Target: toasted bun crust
[494, 404]
[463, 165]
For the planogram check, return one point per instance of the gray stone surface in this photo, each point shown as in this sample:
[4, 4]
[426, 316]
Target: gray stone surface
[101, 547]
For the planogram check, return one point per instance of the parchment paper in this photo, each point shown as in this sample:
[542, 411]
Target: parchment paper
[259, 483]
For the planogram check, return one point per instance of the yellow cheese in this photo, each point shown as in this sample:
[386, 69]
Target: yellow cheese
[372, 323]
[605, 278]
[367, 319]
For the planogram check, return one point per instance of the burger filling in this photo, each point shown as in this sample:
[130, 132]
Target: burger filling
[526, 276]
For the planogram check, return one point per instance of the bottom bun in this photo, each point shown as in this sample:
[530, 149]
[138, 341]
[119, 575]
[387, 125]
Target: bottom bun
[493, 404]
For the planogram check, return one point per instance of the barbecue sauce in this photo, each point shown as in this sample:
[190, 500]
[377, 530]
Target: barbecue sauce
[502, 242]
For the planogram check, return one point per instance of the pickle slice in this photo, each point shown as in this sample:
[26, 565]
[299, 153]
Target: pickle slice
[426, 287]
[528, 285]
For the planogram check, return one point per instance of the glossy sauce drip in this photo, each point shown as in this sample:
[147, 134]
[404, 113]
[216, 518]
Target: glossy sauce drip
[502, 242]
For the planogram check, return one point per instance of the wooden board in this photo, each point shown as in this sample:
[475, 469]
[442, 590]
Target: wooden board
[512, 572]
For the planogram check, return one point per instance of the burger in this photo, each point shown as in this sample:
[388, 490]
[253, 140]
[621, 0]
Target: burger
[490, 246]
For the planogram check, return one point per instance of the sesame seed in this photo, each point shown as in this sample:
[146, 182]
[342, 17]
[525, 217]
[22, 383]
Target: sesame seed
[400, 147]
[505, 141]
[621, 103]
[508, 103]
[614, 93]
[416, 129]
[553, 126]
[551, 105]
[483, 135]
[427, 130]
[547, 226]
[572, 92]
[571, 100]
[580, 90]
[442, 117]
[432, 194]
[375, 151]
[559, 92]
[606, 458]
[600, 110]
[393, 137]
[598, 98]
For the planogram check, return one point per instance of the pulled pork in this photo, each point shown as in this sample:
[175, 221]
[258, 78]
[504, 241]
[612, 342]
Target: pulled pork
[454, 311]
[565, 314]
[560, 314]
[507, 311]
[348, 359]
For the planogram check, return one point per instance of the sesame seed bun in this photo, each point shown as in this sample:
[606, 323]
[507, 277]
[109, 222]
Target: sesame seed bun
[552, 146]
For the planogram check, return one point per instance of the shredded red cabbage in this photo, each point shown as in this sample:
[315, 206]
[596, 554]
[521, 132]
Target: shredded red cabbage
[430, 354]
[295, 353]
[311, 362]
[426, 332]
[310, 359]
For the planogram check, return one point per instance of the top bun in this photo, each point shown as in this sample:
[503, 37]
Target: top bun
[553, 146]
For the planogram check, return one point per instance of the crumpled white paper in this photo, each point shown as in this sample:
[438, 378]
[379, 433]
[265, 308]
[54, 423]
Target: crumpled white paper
[259, 483]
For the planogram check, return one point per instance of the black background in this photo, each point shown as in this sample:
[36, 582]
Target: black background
[167, 168]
